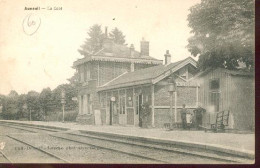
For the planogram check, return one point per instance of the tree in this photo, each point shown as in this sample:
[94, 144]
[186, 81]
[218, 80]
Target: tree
[94, 42]
[22, 112]
[10, 106]
[117, 36]
[223, 33]
[70, 92]
[74, 80]
[13, 94]
[45, 100]
[33, 105]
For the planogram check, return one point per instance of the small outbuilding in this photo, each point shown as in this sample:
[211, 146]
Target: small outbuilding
[227, 90]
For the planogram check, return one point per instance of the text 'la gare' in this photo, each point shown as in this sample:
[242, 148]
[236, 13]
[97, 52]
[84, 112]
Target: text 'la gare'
[46, 8]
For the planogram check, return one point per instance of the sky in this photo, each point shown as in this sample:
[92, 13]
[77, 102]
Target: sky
[44, 59]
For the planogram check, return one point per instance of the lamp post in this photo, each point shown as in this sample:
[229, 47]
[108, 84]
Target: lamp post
[63, 102]
[112, 100]
[172, 88]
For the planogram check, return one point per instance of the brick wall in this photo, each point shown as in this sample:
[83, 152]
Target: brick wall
[106, 72]
[110, 70]
[186, 95]
[161, 116]
[94, 69]
[161, 96]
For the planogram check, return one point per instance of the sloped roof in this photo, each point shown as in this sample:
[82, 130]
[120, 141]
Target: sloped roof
[143, 76]
[231, 72]
[238, 72]
[118, 53]
[121, 51]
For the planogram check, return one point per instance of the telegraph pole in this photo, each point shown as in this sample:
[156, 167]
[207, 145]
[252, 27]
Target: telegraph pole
[30, 114]
[63, 102]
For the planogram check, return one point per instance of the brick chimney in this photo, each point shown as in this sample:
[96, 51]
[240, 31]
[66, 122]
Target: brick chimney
[144, 48]
[107, 42]
[132, 49]
[106, 32]
[167, 57]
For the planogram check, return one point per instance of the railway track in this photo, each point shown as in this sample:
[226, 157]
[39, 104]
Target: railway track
[4, 158]
[155, 153]
[34, 129]
[39, 149]
[112, 144]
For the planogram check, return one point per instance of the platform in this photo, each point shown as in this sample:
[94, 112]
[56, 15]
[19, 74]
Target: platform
[224, 142]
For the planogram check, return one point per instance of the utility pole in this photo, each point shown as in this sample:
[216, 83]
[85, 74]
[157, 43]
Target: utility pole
[63, 102]
[30, 114]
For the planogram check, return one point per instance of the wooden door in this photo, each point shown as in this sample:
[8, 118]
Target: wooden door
[140, 103]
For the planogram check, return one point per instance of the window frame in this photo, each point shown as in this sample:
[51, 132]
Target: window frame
[210, 84]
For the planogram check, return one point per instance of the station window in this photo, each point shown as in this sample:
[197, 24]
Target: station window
[214, 84]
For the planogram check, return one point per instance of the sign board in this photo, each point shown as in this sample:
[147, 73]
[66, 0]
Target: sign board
[74, 98]
[113, 99]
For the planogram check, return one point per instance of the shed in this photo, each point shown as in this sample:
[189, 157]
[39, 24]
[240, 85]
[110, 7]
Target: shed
[233, 90]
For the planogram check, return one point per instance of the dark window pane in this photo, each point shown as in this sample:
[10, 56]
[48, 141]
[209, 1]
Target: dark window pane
[214, 84]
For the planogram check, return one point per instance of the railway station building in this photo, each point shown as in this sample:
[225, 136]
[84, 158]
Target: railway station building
[117, 82]
[103, 66]
[150, 87]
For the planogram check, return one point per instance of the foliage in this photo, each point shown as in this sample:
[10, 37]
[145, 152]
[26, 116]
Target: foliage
[22, 112]
[10, 104]
[94, 42]
[117, 36]
[43, 106]
[13, 94]
[45, 100]
[96, 37]
[70, 92]
[33, 105]
[223, 33]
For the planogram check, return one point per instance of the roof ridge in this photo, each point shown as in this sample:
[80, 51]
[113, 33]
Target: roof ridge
[147, 73]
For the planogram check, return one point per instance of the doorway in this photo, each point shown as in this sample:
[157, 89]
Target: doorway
[110, 112]
[140, 102]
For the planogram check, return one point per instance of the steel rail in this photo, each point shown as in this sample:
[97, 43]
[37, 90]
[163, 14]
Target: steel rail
[42, 150]
[4, 155]
[27, 126]
[11, 126]
[114, 150]
[179, 151]
[234, 159]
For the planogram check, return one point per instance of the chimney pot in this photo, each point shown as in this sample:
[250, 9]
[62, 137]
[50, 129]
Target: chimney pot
[144, 48]
[167, 57]
[106, 31]
[132, 49]
[107, 42]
